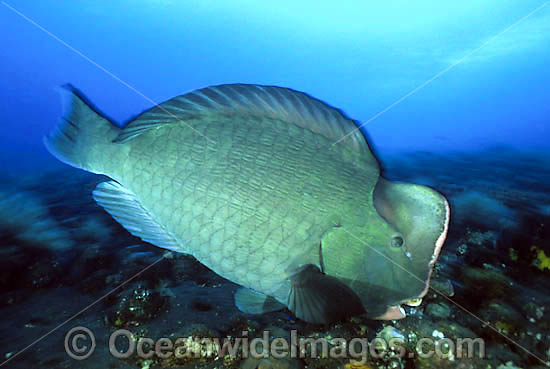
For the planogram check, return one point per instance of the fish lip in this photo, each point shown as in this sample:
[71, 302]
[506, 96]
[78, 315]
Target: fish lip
[394, 312]
[438, 245]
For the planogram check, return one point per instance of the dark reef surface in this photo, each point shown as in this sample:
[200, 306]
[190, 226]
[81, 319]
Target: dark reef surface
[65, 263]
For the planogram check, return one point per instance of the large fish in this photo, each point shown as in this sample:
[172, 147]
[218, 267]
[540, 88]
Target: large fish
[248, 179]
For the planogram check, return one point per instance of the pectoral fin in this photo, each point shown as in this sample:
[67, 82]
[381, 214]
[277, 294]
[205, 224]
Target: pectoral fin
[123, 205]
[318, 298]
[253, 302]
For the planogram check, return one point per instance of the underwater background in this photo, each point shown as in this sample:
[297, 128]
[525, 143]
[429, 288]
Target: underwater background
[453, 95]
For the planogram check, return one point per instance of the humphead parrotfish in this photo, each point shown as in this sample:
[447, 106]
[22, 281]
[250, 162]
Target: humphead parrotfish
[257, 184]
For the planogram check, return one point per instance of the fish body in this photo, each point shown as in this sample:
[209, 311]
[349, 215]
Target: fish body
[248, 179]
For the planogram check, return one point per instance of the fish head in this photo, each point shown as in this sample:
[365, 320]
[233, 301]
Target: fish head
[388, 259]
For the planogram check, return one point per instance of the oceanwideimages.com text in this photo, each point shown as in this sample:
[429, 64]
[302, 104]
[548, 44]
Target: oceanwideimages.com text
[123, 344]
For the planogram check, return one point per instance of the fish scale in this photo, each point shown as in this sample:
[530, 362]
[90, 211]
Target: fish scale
[256, 203]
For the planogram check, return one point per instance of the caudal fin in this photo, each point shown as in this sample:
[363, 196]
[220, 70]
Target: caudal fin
[84, 138]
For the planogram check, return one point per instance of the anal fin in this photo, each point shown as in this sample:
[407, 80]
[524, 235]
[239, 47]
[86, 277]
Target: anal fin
[319, 298]
[253, 302]
[126, 209]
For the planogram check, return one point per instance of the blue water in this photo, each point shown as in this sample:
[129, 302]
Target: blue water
[356, 56]
[453, 95]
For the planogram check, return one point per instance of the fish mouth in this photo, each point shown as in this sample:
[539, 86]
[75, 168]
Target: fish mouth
[394, 312]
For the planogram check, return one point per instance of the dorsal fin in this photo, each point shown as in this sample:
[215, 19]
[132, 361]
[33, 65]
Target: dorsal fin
[240, 99]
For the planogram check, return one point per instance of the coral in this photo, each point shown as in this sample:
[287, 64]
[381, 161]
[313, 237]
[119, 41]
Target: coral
[354, 365]
[391, 335]
[137, 306]
[508, 365]
[481, 238]
[542, 260]
[513, 254]
[506, 328]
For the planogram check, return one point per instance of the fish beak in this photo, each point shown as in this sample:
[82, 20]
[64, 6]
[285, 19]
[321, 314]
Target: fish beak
[393, 313]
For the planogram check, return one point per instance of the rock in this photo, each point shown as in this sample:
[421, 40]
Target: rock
[197, 330]
[484, 284]
[276, 358]
[443, 286]
[270, 363]
[438, 310]
[13, 264]
[43, 273]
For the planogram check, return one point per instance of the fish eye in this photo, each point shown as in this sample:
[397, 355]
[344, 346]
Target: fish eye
[397, 241]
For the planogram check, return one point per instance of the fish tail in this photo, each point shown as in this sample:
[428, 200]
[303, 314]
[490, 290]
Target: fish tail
[84, 138]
